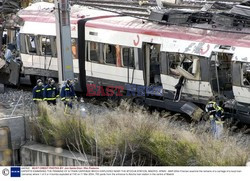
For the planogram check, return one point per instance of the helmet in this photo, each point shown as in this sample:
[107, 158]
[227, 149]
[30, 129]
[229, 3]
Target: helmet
[51, 81]
[68, 82]
[38, 80]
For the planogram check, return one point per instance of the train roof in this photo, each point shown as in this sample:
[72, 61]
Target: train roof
[44, 13]
[134, 25]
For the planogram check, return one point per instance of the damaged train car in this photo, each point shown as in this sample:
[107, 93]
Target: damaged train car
[186, 56]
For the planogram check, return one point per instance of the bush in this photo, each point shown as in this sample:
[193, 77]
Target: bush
[129, 135]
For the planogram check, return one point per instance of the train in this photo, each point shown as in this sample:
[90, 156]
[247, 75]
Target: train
[171, 64]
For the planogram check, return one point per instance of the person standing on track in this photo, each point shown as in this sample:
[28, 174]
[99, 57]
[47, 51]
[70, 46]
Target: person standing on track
[38, 91]
[68, 93]
[50, 92]
[216, 114]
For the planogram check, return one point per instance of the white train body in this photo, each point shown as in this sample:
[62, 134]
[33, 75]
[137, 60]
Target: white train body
[106, 37]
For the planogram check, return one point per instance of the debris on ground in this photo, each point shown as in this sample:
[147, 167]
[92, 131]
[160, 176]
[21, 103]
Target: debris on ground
[15, 102]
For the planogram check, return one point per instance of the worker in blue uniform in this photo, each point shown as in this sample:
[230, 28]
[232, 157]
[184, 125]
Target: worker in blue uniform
[68, 93]
[50, 92]
[216, 114]
[38, 91]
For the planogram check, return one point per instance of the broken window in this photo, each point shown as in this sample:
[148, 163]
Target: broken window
[31, 43]
[246, 74]
[185, 65]
[128, 57]
[110, 54]
[174, 60]
[45, 45]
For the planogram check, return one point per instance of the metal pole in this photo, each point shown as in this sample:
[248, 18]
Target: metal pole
[64, 49]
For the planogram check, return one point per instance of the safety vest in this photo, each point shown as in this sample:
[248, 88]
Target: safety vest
[67, 93]
[50, 93]
[211, 107]
[37, 93]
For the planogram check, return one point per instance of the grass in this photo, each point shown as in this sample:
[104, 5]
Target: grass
[130, 136]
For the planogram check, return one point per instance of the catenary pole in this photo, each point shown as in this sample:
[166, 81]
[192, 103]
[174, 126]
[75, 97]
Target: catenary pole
[63, 40]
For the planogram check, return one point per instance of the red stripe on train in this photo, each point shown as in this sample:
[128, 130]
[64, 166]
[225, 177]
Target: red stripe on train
[206, 36]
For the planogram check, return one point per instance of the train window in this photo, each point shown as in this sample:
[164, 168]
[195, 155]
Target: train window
[174, 60]
[45, 45]
[128, 57]
[74, 48]
[182, 64]
[31, 43]
[110, 54]
[94, 51]
[246, 74]
[187, 64]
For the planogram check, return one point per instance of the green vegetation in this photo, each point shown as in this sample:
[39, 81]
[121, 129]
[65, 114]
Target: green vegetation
[129, 135]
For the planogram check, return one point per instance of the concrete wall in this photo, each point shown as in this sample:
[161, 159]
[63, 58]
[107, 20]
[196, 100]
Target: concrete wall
[35, 154]
[17, 130]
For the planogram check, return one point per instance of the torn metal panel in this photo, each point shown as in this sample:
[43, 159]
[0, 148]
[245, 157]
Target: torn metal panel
[2, 63]
[156, 15]
[14, 72]
[193, 111]
[241, 10]
[223, 19]
[9, 6]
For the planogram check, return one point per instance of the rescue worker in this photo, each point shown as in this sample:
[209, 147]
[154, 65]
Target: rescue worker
[38, 91]
[68, 93]
[216, 114]
[50, 92]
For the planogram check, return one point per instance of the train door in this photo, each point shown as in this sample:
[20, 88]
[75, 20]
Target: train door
[221, 74]
[152, 68]
[152, 62]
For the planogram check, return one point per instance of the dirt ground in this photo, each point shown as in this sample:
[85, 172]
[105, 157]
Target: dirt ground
[15, 102]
